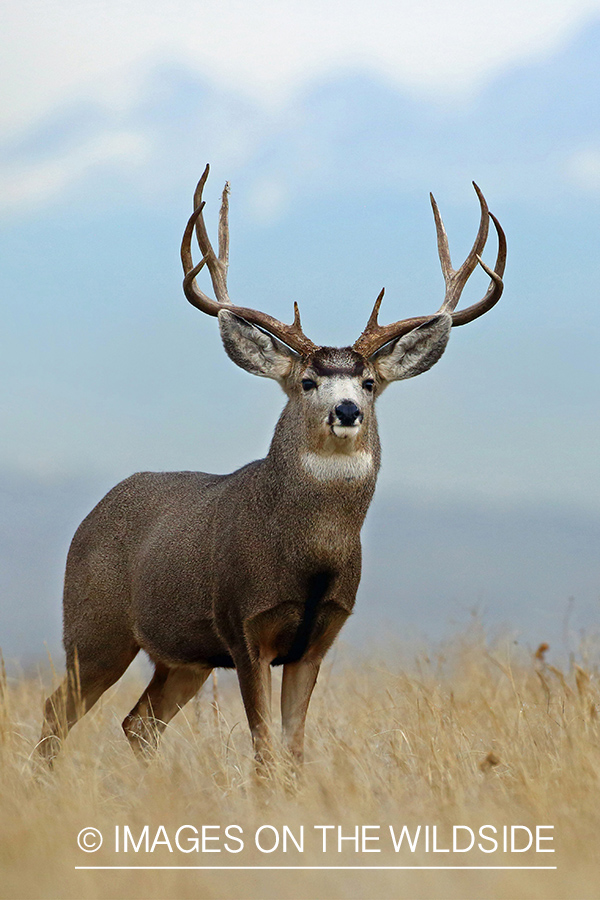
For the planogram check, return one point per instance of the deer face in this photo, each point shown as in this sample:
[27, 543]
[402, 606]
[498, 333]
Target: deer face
[336, 393]
[333, 390]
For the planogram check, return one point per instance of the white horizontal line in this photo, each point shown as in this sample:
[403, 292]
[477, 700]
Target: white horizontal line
[320, 868]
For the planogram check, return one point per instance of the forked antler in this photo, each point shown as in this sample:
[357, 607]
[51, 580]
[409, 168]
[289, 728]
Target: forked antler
[291, 335]
[376, 336]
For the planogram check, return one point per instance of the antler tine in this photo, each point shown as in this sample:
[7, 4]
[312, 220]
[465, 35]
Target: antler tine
[193, 293]
[456, 279]
[494, 291]
[217, 266]
[291, 335]
[224, 229]
[376, 336]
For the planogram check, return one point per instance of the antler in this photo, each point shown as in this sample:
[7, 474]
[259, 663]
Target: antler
[376, 336]
[291, 335]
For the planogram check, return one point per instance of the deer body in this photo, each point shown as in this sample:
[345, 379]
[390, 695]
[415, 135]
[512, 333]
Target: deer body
[191, 560]
[259, 567]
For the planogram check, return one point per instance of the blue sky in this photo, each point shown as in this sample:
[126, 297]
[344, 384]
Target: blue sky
[332, 128]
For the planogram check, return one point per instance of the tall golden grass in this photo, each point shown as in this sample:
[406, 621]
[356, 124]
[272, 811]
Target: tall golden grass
[475, 734]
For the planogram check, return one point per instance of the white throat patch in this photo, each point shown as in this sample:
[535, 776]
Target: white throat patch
[338, 466]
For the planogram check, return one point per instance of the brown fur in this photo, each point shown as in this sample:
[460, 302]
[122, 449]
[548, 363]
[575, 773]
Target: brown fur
[254, 568]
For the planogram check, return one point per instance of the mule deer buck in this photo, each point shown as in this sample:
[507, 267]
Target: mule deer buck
[260, 567]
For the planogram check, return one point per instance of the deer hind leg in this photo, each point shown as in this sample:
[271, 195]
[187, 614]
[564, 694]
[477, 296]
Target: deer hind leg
[169, 690]
[83, 685]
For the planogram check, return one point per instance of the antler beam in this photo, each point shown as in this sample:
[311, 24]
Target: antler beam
[291, 335]
[376, 336]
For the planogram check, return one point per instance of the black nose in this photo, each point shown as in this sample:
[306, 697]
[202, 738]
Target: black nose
[348, 412]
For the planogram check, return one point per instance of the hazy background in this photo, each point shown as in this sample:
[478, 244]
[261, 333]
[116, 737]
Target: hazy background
[332, 121]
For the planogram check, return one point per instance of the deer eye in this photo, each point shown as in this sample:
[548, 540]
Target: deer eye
[368, 384]
[308, 384]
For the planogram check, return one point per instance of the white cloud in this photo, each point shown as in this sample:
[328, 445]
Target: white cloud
[583, 169]
[267, 200]
[26, 184]
[55, 51]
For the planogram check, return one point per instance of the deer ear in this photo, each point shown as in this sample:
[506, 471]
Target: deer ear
[253, 349]
[415, 352]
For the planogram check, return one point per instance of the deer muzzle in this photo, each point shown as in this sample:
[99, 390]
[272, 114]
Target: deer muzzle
[346, 419]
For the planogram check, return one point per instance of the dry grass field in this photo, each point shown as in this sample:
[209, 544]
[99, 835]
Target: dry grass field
[476, 734]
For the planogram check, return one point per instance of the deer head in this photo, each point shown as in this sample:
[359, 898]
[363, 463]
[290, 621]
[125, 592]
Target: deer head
[336, 388]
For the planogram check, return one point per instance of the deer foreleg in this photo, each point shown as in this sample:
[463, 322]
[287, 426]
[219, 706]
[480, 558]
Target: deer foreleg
[254, 676]
[299, 679]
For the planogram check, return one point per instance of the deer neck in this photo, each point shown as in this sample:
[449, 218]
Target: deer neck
[320, 464]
